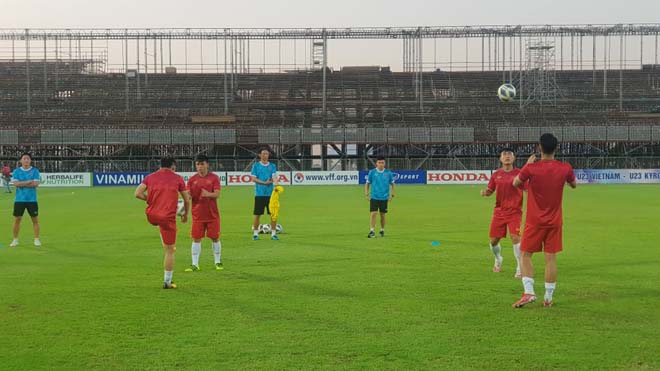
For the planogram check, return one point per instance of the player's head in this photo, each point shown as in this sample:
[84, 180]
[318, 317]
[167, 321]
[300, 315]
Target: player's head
[202, 163]
[25, 159]
[380, 162]
[548, 144]
[168, 163]
[507, 156]
[264, 154]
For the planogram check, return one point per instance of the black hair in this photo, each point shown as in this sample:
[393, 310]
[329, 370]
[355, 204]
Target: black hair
[201, 158]
[380, 158]
[167, 162]
[28, 154]
[264, 149]
[507, 149]
[548, 143]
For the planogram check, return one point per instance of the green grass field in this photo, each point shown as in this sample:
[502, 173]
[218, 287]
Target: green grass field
[325, 296]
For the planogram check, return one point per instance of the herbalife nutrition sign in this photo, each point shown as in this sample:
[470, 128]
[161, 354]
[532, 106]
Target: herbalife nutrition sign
[66, 180]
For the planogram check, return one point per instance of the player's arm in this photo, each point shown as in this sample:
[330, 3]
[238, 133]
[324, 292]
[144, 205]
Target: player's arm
[259, 181]
[214, 195]
[141, 192]
[571, 179]
[391, 191]
[490, 189]
[366, 190]
[275, 179]
[185, 195]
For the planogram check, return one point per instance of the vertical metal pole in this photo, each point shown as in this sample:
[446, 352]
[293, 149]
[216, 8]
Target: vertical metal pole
[155, 55]
[146, 63]
[126, 89]
[467, 58]
[185, 52]
[490, 66]
[421, 73]
[162, 57]
[225, 76]
[435, 53]
[169, 51]
[217, 58]
[247, 56]
[45, 69]
[137, 74]
[263, 57]
[325, 68]
[521, 91]
[605, 48]
[482, 54]
[201, 55]
[503, 58]
[656, 51]
[641, 50]
[57, 64]
[27, 69]
[593, 62]
[621, 73]
[295, 54]
[572, 48]
[13, 49]
[451, 52]
[561, 52]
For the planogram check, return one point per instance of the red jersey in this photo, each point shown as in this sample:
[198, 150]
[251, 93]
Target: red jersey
[545, 191]
[204, 209]
[163, 187]
[509, 199]
[6, 171]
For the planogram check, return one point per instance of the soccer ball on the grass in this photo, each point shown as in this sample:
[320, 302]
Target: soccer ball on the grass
[180, 209]
[278, 228]
[264, 228]
[506, 92]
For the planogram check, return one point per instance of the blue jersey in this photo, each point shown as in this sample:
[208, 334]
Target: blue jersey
[380, 184]
[26, 194]
[263, 173]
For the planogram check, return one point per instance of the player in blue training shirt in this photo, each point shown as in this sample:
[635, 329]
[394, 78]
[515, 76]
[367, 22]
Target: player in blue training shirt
[26, 180]
[264, 175]
[381, 182]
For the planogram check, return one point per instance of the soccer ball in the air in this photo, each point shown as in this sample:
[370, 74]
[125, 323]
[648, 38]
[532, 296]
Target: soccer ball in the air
[506, 92]
[180, 209]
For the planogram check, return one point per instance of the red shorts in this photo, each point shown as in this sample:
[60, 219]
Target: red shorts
[167, 228]
[210, 229]
[546, 239]
[500, 224]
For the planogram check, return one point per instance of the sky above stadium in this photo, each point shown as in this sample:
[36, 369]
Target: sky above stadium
[299, 13]
[338, 13]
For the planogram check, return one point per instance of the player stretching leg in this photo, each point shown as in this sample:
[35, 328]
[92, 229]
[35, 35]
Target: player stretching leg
[161, 191]
[543, 223]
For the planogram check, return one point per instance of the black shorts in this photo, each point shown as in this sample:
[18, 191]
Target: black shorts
[378, 205]
[261, 203]
[31, 207]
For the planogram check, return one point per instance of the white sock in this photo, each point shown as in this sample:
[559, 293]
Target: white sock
[497, 250]
[217, 251]
[372, 229]
[168, 276]
[255, 232]
[516, 253]
[528, 284]
[549, 290]
[196, 250]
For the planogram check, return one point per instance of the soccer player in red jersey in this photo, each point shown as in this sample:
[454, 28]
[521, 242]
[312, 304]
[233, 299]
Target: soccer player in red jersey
[543, 224]
[204, 188]
[508, 209]
[161, 191]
